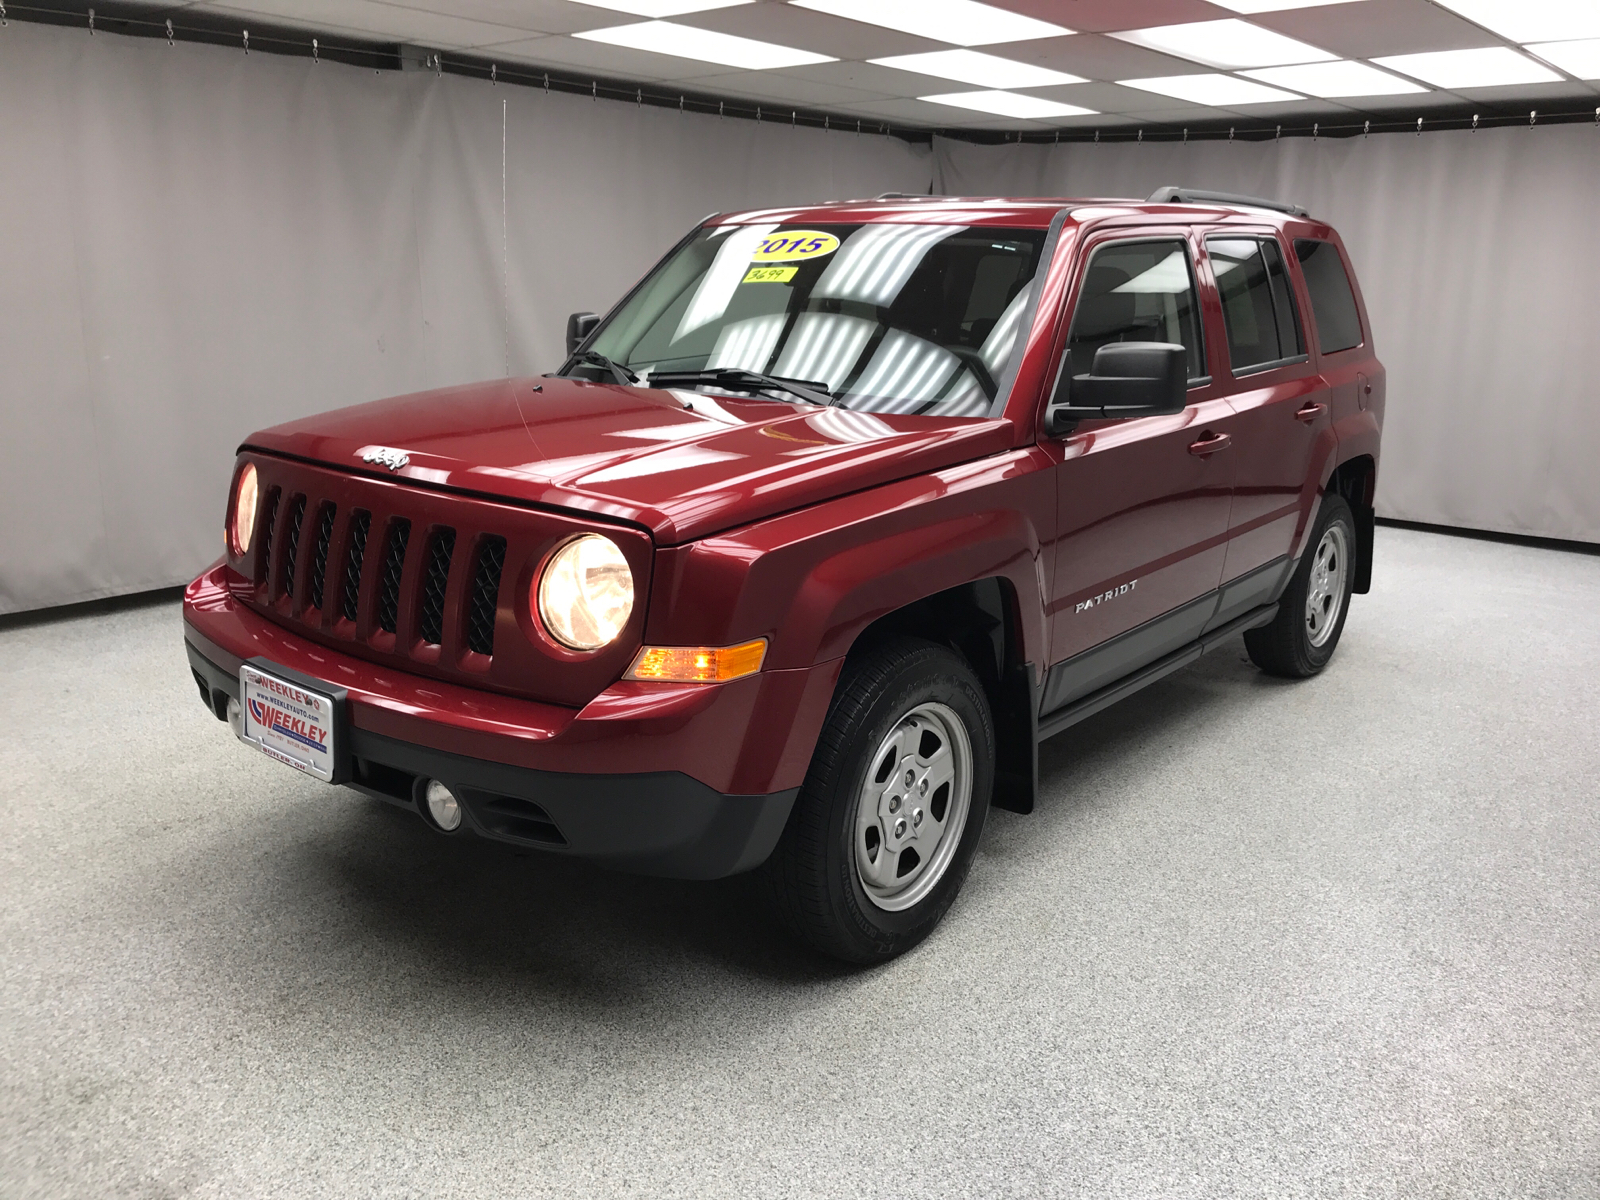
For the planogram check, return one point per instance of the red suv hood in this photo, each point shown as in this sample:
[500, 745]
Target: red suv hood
[682, 463]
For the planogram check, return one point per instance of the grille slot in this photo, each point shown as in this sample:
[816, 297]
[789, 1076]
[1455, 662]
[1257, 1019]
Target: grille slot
[319, 564]
[266, 537]
[360, 522]
[485, 595]
[430, 618]
[394, 561]
[291, 544]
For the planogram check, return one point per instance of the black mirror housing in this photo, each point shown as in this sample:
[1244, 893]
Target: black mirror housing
[579, 326]
[1129, 379]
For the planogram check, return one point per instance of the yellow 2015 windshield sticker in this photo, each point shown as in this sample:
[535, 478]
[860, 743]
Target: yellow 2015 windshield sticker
[793, 244]
[769, 274]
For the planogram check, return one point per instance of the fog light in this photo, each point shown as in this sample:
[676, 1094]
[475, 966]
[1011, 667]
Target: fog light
[235, 718]
[443, 806]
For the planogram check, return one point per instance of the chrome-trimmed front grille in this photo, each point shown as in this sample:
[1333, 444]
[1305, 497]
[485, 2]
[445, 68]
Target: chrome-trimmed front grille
[427, 580]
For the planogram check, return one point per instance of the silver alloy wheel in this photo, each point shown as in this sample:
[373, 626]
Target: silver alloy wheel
[913, 807]
[1325, 589]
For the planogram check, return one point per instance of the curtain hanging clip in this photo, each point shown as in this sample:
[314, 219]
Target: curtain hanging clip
[247, 41]
[3, 20]
[547, 83]
[1278, 133]
[494, 75]
[169, 25]
[719, 109]
[1474, 122]
[638, 98]
[1419, 126]
[594, 90]
[1140, 138]
[1533, 117]
[1096, 137]
[1315, 129]
[91, 22]
[1366, 128]
[316, 51]
[1185, 135]
[1230, 135]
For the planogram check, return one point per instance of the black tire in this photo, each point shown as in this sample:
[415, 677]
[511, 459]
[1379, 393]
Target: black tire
[1288, 646]
[812, 877]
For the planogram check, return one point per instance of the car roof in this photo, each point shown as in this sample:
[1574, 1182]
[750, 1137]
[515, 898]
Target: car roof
[1025, 212]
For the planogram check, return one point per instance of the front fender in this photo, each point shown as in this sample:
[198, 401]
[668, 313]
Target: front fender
[812, 580]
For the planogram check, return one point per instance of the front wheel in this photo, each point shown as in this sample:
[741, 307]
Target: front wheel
[884, 829]
[1301, 639]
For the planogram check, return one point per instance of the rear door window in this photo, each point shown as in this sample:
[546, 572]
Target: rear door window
[1257, 303]
[1333, 304]
[1137, 292]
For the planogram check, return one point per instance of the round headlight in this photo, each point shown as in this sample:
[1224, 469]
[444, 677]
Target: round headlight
[243, 524]
[585, 595]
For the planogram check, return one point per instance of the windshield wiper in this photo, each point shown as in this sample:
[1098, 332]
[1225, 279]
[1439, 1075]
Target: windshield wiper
[594, 358]
[809, 390]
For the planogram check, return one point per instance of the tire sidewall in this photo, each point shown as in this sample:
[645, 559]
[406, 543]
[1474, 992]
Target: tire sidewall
[1334, 511]
[930, 674]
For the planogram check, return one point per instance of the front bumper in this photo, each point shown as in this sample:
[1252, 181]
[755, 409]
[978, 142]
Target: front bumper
[691, 782]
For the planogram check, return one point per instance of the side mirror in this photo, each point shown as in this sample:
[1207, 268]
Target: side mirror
[1129, 379]
[579, 327]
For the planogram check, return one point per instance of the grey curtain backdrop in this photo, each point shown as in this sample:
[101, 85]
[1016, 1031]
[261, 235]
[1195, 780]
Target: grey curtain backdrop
[1479, 256]
[195, 243]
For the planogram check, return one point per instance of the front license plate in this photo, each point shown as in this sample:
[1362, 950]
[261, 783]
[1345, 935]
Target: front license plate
[288, 722]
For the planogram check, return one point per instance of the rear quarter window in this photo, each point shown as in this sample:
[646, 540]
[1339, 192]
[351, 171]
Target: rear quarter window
[1333, 304]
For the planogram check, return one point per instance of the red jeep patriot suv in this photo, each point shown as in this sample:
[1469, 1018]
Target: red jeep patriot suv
[813, 538]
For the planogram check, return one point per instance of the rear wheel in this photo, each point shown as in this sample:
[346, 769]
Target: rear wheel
[885, 828]
[1301, 639]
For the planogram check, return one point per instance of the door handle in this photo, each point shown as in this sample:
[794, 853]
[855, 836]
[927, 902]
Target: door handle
[1210, 444]
[1310, 412]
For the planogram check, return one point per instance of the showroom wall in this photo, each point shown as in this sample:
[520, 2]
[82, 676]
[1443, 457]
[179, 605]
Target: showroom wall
[1479, 256]
[198, 243]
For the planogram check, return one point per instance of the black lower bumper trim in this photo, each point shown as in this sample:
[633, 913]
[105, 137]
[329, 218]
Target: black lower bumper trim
[655, 823]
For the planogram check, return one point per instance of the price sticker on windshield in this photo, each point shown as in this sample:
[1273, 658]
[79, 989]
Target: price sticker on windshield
[769, 274]
[793, 245]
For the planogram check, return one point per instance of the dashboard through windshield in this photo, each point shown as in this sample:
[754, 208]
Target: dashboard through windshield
[875, 317]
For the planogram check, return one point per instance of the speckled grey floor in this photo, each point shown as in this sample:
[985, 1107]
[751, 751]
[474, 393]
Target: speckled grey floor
[1330, 939]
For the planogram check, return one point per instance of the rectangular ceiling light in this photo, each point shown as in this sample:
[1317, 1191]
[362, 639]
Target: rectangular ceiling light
[704, 45]
[962, 22]
[1533, 20]
[975, 67]
[1219, 91]
[1581, 59]
[1228, 45]
[661, 8]
[1261, 6]
[1493, 67]
[1331, 80]
[1010, 104]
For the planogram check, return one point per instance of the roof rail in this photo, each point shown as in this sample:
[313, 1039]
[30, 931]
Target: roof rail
[907, 196]
[1183, 195]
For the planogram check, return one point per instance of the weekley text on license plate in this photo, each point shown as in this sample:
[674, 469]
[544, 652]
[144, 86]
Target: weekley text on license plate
[288, 722]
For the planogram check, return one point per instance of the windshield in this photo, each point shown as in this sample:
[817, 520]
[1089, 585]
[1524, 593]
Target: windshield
[880, 317]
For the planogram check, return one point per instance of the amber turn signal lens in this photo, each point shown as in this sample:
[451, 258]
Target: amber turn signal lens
[698, 664]
[243, 524]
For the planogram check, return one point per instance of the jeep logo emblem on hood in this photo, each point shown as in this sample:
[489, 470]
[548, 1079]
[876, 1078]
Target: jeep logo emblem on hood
[389, 457]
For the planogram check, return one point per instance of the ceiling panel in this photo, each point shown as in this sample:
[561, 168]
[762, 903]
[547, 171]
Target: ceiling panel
[537, 32]
[614, 62]
[1378, 27]
[1094, 56]
[436, 29]
[808, 30]
[1098, 16]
